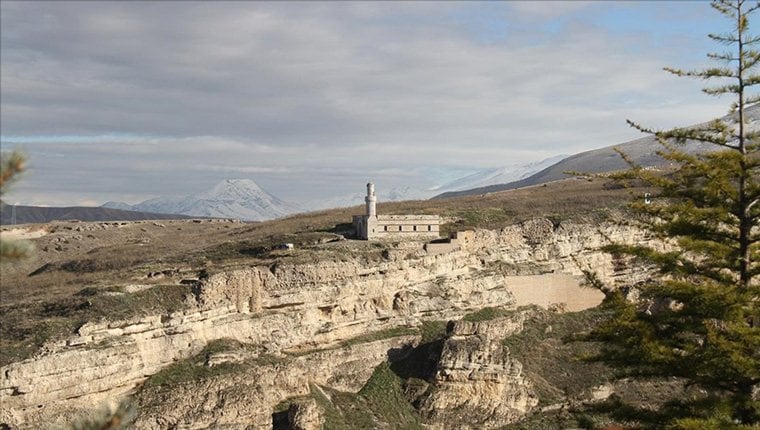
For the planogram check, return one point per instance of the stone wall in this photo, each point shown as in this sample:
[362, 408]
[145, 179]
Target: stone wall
[397, 226]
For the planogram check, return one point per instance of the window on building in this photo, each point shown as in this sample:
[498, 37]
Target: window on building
[414, 228]
[399, 228]
[430, 228]
[385, 228]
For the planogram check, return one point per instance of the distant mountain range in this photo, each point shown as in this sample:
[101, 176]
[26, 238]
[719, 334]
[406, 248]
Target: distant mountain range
[233, 198]
[244, 199]
[357, 198]
[42, 214]
[642, 151]
[500, 175]
[478, 179]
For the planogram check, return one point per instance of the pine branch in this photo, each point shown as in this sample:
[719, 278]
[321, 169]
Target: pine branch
[640, 127]
[726, 56]
[751, 40]
[723, 89]
[726, 39]
[717, 72]
[10, 167]
[751, 58]
[752, 8]
[11, 250]
[751, 80]
[716, 136]
[725, 7]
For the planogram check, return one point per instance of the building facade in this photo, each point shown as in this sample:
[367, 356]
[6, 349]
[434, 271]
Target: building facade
[373, 226]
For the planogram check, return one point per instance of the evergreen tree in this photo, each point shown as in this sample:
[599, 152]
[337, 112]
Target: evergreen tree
[699, 320]
[11, 165]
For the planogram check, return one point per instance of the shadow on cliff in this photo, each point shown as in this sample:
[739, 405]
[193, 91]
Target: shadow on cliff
[417, 366]
[419, 362]
[397, 386]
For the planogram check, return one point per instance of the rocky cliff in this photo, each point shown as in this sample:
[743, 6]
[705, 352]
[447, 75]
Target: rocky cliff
[477, 384]
[291, 310]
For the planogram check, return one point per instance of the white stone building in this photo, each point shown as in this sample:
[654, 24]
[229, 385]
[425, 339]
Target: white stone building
[374, 226]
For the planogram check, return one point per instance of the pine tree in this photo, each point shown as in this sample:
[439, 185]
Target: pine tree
[11, 165]
[698, 320]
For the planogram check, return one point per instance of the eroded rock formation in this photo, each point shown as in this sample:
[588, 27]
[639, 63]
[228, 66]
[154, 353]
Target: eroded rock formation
[297, 307]
[478, 385]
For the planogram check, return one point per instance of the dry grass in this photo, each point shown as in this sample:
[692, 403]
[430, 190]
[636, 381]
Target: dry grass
[103, 256]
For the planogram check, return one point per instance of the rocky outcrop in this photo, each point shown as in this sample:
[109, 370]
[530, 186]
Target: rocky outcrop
[304, 306]
[246, 400]
[305, 415]
[478, 385]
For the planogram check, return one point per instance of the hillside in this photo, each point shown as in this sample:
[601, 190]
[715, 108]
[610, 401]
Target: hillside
[642, 151]
[501, 175]
[173, 313]
[43, 214]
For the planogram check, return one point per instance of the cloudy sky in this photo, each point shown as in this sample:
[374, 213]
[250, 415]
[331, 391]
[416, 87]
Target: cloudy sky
[131, 100]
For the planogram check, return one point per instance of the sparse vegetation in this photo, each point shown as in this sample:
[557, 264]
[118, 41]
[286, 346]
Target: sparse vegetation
[365, 338]
[487, 314]
[92, 265]
[343, 411]
[386, 399]
[267, 247]
[550, 356]
[195, 368]
[54, 302]
[24, 328]
[432, 331]
[105, 418]
[379, 404]
[486, 217]
[379, 335]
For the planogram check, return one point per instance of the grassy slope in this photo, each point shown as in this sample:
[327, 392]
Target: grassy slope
[50, 304]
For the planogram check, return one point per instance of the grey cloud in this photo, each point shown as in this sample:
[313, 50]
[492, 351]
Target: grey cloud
[313, 92]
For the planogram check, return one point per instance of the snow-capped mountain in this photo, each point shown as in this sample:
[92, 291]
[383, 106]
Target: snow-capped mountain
[232, 198]
[500, 175]
[118, 205]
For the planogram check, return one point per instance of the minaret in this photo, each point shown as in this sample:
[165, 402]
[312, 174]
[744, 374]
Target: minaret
[371, 200]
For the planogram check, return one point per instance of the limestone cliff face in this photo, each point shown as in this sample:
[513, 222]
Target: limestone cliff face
[301, 306]
[247, 402]
[478, 385]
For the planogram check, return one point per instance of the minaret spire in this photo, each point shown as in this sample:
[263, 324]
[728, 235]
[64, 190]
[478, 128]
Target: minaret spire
[371, 200]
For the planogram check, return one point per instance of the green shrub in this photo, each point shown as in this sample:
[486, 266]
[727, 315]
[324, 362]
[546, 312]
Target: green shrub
[487, 314]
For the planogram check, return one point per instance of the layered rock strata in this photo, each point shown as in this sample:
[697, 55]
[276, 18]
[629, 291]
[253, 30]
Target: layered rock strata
[478, 385]
[302, 306]
[246, 402]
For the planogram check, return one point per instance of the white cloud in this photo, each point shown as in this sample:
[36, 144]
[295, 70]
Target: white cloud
[289, 92]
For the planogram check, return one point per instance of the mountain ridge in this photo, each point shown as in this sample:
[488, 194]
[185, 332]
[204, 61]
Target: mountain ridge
[641, 151]
[44, 214]
[232, 198]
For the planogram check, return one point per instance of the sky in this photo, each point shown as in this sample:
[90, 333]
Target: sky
[126, 101]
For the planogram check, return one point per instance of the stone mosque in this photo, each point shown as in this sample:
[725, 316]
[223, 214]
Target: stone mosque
[373, 226]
